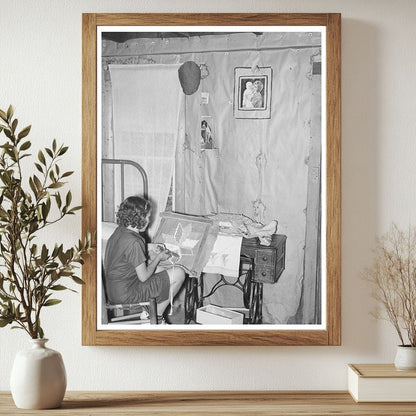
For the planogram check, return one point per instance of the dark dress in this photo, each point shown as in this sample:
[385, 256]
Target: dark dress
[125, 251]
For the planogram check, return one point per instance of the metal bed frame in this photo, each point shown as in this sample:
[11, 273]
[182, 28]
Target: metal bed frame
[122, 163]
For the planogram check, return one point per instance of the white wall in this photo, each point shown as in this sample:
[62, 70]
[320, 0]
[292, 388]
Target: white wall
[40, 73]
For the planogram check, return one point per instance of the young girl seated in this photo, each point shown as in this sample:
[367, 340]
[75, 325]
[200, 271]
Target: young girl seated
[130, 277]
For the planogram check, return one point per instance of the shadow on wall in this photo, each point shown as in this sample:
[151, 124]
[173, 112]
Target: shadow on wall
[361, 56]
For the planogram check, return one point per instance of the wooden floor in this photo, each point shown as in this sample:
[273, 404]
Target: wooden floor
[212, 403]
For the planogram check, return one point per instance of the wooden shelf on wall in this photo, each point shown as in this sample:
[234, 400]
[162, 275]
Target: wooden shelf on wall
[212, 403]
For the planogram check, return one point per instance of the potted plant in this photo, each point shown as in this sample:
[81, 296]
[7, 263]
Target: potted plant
[393, 277]
[31, 273]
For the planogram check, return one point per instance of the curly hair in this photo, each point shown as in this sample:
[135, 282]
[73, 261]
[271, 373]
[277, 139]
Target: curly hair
[133, 211]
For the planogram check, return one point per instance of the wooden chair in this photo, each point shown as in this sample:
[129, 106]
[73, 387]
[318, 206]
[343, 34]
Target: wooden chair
[135, 313]
[132, 313]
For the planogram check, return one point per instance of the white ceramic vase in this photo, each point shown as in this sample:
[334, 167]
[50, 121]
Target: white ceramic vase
[38, 377]
[405, 358]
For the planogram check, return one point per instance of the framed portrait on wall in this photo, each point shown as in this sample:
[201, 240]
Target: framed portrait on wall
[208, 218]
[252, 92]
[207, 133]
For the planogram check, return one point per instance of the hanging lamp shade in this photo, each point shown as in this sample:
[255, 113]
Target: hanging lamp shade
[189, 77]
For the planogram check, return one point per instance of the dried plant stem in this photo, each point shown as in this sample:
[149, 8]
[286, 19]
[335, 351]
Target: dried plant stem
[393, 276]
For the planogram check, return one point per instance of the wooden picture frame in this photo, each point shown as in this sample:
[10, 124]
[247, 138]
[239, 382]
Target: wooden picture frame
[327, 334]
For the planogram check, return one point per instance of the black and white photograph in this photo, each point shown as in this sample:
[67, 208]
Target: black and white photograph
[188, 237]
[252, 92]
[207, 132]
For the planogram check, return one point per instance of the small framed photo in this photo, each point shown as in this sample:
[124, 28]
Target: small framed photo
[207, 133]
[252, 92]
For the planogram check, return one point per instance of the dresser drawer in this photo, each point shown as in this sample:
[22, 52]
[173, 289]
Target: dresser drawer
[265, 257]
[264, 275]
[268, 261]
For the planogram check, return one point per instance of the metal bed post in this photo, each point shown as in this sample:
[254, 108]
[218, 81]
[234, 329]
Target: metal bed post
[122, 163]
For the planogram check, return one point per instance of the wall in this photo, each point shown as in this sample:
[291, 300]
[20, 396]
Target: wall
[40, 74]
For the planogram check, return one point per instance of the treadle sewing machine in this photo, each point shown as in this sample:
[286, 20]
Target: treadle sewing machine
[258, 265]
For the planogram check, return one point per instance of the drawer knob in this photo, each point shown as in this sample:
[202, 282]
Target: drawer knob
[263, 273]
[265, 258]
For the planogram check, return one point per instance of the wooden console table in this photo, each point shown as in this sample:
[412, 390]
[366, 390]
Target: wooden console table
[212, 403]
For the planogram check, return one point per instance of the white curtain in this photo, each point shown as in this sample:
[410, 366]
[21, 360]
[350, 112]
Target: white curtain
[147, 102]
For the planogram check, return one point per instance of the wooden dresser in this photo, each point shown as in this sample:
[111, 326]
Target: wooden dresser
[268, 261]
[212, 403]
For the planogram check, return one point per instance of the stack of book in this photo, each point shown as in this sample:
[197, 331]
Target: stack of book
[381, 383]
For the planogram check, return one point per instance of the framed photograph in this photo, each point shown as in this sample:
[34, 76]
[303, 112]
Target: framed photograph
[207, 133]
[211, 173]
[252, 92]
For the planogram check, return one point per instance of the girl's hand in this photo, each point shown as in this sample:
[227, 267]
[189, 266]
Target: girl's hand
[164, 255]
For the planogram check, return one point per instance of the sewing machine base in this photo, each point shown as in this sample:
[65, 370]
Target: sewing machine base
[258, 264]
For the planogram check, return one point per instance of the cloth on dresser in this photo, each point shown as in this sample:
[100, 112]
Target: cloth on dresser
[241, 225]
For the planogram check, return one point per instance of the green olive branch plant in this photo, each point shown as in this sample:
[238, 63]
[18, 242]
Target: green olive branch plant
[30, 274]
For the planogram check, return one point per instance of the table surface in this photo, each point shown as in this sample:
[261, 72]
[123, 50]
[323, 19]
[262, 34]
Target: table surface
[221, 403]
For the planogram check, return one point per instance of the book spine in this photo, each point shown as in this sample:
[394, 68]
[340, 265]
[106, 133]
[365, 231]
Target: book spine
[353, 381]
